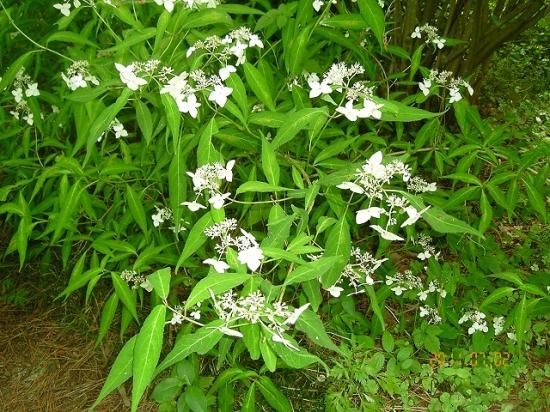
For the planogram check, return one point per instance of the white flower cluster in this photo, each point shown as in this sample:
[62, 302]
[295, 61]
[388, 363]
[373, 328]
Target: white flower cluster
[446, 80]
[358, 273]
[136, 280]
[65, 7]
[78, 75]
[339, 78]
[432, 36]
[255, 309]
[249, 252]
[370, 181]
[478, 319]
[133, 74]
[178, 314]
[207, 180]
[117, 128]
[23, 88]
[163, 215]
[223, 49]
[190, 4]
[498, 324]
[318, 4]
[428, 250]
[407, 281]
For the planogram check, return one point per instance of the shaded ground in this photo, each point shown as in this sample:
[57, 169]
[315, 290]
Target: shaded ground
[47, 366]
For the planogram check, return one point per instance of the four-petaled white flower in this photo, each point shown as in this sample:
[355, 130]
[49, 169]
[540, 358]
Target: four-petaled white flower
[168, 4]
[291, 320]
[251, 257]
[354, 187]
[416, 34]
[455, 95]
[219, 265]
[374, 166]
[349, 111]
[413, 214]
[317, 4]
[218, 200]
[228, 172]
[128, 77]
[17, 94]
[220, 94]
[318, 88]
[425, 86]
[226, 71]
[64, 8]
[193, 206]
[385, 234]
[335, 291]
[32, 90]
[255, 41]
[370, 109]
[189, 105]
[364, 215]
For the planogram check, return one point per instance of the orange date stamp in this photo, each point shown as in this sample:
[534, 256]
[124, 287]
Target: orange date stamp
[470, 359]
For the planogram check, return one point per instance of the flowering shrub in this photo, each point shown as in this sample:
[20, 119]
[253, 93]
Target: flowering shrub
[323, 203]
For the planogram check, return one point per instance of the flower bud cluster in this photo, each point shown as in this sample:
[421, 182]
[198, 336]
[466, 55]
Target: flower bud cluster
[340, 78]
[78, 75]
[428, 250]
[371, 179]
[207, 181]
[23, 88]
[431, 35]
[478, 319]
[249, 251]
[254, 308]
[169, 5]
[136, 280]
[446, 80]
[117, 128]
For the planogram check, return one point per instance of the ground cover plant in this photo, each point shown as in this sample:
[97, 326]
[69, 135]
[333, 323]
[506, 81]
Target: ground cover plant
[265, 194]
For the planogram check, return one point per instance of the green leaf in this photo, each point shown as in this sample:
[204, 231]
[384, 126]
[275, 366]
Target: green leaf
[120, 372]
[509, 276]
[249, 401]
[393, 111]
[206, 153]
[105, 118]
[311, 325]
[68, 210]
[135, 204]
[147, 352]
[201, 342]
[374, 16]
[70, 37]
[177, 184]
[107, 317]
[263, 187]
[173, 115]
[345, 21]
[295, 122]
[10, 74]
[465, 177]
[206, 17]
[296, 53]
[274, 397]
[536, 198]
[134, 36]
[388, 342]
[374, 305]
[161, 282]
[125, 294]
[520, 321]
[259, 85]
[79, 281]
[338, 244]
[195, 239]
[217, 283]
[496, 295]
[167, 390]
[311, 270]
[270, 166]
[195, 399]
[144, 120]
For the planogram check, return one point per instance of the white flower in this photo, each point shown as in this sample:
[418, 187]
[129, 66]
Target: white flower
[74, 82]
[190, 105]
[29, 118]
[317, 4]
[32, 90]
[416, 34]
[168, 4]
[64, 8]
[425, 86]
[226, 71]
[17, 94]
[455, 95]
[374, 166]
[128, 77]
[364, 215]
[348, 110]
[385, 234]
[228, 172]
[190, 51]
[220, 94]
[119, 130]
[218, 200]
[424, 255]
[440, 42]
[398, 290]
[498, 324]
[354, 187]
[511, 336]
[279, 339]
[254, 41]
[318, 88]
[193, 206]
[238, 50]
[291, 320]
[423, 295]
[335, 291]
[148, 286]
[219, 265]
[252, 257]
[370, 109]
[414, 215]
[230, 332]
